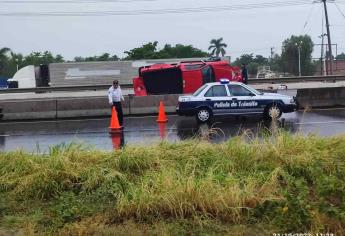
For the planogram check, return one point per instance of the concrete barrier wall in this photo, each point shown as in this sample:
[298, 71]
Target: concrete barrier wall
[321, 97]
[28, 109]
[54, 108]
[149, 104]
[81, 107]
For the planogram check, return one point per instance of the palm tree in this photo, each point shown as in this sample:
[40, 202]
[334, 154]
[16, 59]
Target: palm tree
[217, 47]
[3, 58]
[3, 52]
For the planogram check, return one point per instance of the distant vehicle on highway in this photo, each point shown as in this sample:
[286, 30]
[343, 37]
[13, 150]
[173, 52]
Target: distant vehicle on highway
[184, 77]
[264, 72]
[70, 74]
[30, 77]
[233, 98]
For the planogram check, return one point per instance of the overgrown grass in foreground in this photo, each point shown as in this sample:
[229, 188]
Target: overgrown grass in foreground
[282, 184]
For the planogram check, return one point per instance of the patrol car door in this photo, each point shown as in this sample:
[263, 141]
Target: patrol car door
[216, 97]
[243, 100]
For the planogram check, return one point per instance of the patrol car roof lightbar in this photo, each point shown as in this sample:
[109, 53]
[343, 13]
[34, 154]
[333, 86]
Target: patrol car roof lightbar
[224, 81]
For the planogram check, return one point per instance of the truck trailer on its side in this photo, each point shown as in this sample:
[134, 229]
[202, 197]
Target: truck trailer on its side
[81, 73]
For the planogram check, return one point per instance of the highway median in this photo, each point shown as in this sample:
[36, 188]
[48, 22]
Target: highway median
[278, 183]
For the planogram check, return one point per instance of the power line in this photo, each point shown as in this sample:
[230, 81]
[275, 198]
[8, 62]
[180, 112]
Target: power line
[308, 18]
[73, 1]
[163, 11]
[341, 12]
[251, 50]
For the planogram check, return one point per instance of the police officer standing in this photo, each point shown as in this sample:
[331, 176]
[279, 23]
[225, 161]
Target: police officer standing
[115, 96]
[244, 73]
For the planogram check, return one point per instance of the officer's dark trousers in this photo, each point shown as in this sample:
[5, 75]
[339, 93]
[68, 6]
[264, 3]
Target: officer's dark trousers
[118, 108]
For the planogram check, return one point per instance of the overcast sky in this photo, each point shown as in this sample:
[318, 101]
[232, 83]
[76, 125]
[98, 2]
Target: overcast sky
[247, 29]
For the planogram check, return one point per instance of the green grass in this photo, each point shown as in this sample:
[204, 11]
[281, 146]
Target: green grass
[282, 183]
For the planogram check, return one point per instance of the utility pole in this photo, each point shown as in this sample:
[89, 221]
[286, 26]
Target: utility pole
[322, 41]
[272, 53]
[299, 57]
[322, 48]
[329, 39]
[17, 63]
[299, 60]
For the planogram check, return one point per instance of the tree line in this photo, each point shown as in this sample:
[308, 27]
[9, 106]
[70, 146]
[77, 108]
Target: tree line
[11, 61]
[286, 62]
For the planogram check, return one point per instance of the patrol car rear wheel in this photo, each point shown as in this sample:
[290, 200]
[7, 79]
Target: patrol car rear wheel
[273, 112]
[203, 115]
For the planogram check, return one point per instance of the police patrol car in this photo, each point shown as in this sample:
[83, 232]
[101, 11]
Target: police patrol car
[233, 98]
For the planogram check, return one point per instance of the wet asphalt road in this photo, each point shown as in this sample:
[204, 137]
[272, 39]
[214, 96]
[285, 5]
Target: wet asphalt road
[40, 135]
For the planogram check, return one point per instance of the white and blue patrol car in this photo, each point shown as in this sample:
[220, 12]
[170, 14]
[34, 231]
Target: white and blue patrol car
[233, 98]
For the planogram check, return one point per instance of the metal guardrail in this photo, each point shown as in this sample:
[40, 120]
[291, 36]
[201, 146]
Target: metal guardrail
[62, 88]
[328, 78]
[332, 78]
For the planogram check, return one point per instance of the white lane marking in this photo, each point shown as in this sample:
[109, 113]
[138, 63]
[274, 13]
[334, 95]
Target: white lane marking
[325, 109]
[153, 116]
[88, 132]
[47, 121]
[320, 122]
[78, 120]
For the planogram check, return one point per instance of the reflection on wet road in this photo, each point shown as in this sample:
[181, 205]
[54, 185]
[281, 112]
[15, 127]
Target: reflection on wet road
[38, 136]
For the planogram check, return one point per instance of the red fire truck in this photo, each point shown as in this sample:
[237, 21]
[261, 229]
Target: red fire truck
[184, 77]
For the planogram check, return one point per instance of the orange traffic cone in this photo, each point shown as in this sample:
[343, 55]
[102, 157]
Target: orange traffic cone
[162, 118]
[114, 122]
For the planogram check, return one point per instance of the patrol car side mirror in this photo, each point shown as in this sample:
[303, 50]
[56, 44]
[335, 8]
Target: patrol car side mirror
[251, 94]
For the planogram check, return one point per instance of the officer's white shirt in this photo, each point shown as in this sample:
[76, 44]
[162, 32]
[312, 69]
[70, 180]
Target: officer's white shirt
[115, 95]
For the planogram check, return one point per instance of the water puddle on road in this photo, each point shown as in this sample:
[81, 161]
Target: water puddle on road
[143, 131]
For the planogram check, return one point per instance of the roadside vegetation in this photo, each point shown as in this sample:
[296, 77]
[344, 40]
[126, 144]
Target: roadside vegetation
[285, 63]
[246, 186]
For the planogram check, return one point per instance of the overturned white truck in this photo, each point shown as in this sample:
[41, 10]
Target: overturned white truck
[29, 77]
[72, 74]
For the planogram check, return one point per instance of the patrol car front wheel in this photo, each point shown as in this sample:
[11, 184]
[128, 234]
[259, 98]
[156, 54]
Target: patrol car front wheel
[273, 112]
[203, 115]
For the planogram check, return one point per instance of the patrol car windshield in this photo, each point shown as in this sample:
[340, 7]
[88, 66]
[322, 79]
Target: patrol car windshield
[254, 90]
[239, 90]
[197, 92]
